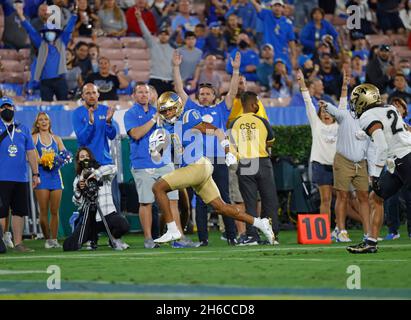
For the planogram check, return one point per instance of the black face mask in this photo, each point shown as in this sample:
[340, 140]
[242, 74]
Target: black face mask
[308, 71]
[7, 115]
[243, 45]
[88, 164]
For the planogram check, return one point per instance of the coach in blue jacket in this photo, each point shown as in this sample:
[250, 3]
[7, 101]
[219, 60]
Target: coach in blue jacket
[92, 124]
[51, 63]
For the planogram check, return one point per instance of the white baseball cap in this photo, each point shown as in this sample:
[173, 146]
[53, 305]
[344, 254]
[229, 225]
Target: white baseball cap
[277, 2]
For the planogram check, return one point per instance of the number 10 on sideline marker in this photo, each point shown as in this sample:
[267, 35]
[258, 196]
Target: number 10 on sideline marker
[313, 229]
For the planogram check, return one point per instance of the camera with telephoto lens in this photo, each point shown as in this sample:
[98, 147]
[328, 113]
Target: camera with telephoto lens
[90, 191]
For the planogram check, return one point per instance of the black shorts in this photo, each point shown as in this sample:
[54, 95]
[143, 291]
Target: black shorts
[390, 184]
[322, 174]
[14, 195]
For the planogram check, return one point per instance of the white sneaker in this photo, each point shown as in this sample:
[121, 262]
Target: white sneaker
[267, 229]
[122, 244]
[168, 236]
[117, 245]
[49, 244]
[7, 239]
[87, 245]
[56, 244]
[343, 236]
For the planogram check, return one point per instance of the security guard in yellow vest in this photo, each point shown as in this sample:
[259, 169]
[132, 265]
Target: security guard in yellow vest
[251, 135]
[236, 111]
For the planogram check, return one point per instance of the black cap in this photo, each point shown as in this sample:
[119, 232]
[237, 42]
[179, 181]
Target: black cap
[164, 30]
[385, 47]
[189, 34]
[357, 35]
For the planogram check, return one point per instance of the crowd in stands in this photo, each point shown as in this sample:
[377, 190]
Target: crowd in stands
[107, 43]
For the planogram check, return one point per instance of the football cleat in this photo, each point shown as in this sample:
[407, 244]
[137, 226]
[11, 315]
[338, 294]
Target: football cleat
[168, 236]
[363, 247]
[267, 229]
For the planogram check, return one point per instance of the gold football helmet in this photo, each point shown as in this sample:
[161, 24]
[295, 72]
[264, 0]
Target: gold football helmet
[170, 100]
[364, 97]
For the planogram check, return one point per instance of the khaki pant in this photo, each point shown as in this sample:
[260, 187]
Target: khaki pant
[197, 175]
[347, 172]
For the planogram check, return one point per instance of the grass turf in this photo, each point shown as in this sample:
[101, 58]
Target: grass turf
[217, 271]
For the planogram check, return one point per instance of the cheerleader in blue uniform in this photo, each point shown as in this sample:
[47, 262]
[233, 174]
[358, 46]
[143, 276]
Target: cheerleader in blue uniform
[49, 191]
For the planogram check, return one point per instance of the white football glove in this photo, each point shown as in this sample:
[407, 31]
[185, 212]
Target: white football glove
[156, 143]
[230, 159]
[360, 135]
[390, 165]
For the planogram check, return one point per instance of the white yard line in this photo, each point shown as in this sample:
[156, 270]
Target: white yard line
[10, 272]
[93, 255]
[262, 259]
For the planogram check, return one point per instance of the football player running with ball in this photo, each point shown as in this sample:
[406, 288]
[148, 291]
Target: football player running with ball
[392, 141]
[185, 132]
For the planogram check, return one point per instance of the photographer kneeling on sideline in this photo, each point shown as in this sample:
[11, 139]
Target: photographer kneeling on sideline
[92, 189]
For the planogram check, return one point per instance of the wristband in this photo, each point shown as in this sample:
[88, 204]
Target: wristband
[36, 175]
[154, 121]
[225, 143]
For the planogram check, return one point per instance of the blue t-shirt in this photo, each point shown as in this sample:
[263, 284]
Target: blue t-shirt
[188, 24]
[140, 157]
[200, 43]
[248, 58]
[94, 136]
[364, 53]
[246, 12]
[278, 32]
[51, 67]
[217, 115]
[188, 143]
[13, 164]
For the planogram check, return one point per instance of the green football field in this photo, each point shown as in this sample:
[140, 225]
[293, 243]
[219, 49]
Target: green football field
[287, 271]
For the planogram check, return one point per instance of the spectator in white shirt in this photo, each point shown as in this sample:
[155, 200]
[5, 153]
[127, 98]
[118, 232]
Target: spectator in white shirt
[324, 133]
